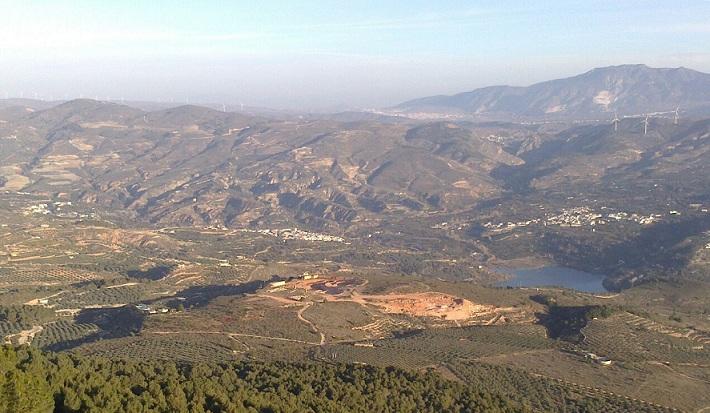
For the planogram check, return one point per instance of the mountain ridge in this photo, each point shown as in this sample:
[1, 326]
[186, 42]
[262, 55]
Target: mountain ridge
[197, 166]
[597, 93]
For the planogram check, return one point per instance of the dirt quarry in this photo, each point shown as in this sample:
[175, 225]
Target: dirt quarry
[428, 304]
[425, 304]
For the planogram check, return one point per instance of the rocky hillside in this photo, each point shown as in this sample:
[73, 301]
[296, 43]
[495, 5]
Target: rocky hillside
[193, 165]
[196, 166]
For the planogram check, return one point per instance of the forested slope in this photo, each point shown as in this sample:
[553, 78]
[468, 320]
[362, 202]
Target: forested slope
[34, 382]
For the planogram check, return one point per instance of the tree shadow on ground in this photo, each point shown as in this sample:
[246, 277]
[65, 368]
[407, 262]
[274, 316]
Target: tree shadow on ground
[128, 320]
[112, 323]
[200, 296]
[152, 274]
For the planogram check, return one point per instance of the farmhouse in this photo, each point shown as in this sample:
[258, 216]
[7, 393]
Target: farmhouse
[144, 308]
[150, 310]
[604, 361]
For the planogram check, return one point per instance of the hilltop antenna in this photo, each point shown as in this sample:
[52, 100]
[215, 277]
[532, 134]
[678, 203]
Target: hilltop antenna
[645, 125]
[675, 116]
[615, 122]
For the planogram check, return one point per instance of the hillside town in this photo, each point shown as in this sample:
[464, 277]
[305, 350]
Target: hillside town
[577, 217]
[296, 234]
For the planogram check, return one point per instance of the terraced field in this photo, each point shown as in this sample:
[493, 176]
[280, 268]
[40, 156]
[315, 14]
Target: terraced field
[62, 331]
[183, 348]
[256, 317]
[434, 346]
[545, 394]
[44, 275]
[623, 338]
[100, 297]
[7, 328]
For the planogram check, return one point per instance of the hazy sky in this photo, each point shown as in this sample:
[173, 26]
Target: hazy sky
[321, 55]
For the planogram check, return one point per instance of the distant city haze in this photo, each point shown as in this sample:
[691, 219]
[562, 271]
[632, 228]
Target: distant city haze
[329, 55]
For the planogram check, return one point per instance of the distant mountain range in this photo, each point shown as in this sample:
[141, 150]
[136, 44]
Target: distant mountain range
[597, 94]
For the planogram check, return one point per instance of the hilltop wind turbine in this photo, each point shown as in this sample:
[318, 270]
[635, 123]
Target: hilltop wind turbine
[645, 125]
[675, 116]
[615, 122]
